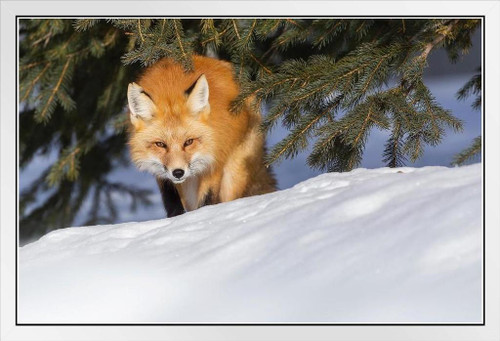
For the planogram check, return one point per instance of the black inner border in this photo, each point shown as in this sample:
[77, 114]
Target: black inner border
[483, 161]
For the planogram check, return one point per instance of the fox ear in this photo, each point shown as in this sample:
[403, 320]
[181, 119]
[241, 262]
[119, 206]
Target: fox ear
[140, 104]
[198, 95]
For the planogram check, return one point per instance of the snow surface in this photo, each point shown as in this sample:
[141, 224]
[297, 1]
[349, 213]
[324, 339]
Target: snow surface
[368, 246]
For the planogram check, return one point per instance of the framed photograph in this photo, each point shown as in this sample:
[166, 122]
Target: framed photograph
[184, 170]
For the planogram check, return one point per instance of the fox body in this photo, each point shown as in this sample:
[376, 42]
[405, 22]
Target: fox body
[184, 134]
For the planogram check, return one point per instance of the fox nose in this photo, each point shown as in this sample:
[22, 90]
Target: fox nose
[178, 173]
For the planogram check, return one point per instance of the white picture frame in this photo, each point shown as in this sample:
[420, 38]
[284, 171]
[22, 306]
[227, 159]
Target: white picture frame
[11, 330]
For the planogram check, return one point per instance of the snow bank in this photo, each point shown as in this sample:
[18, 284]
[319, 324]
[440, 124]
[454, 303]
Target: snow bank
[382, 245]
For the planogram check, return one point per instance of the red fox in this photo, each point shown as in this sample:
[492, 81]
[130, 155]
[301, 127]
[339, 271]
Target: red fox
[184, 134]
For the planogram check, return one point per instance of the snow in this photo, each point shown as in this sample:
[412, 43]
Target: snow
[368, 246]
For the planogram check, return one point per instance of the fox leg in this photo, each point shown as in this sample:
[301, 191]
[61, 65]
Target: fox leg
[170, 197]
[234, 181]
[243, 162]
[208, 192]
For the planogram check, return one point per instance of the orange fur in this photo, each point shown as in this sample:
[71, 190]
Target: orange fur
[225, 157]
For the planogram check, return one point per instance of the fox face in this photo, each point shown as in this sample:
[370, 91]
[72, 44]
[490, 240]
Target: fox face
[172, 138]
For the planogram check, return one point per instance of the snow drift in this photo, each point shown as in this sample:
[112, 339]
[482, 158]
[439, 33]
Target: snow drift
[368, 246]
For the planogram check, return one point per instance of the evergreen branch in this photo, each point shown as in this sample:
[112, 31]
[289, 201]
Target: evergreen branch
[140, 30]
[363, 126]
[393, 153]
[81, 52]
[84, 24]
[374, 71]
[352, 162]
[327, 33]
[334, 135]
[160, 36]
[413, 145]
[304, 79]
[267, 70]
[272, 117]
[277, 154]
[299, 133]
[44, 112]
[273, 85]
[216, 37]
[477, 103]
[70, 39]
[64, 167]
[357, 69]
[473, 86]
[242, 68]
[295, 23]
[267, 28]
[360, 26]
[246, 40]
[31, 65]
[429, 111]
[468, 153]
[441, 36]
[179, 39]
[45, 38]
[313, 92]
[236, 29]
[34, 81]
[313, 67]
[332, 153]
[284, 41]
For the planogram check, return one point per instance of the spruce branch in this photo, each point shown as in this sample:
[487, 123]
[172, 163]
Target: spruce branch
[469, 153]
[81, 25]
[210, 34]
[266, 69]
[245, 42]
[33, 82]
[274, 114]
[322, 40]
[442, 34]
[139, 30]
[176, 25]
[472, 87]
[295, 23]
[48, 108]
[394, 155]
[235, 26]
[298, 135]
[66, 167]
[31, 65]
[362, 130]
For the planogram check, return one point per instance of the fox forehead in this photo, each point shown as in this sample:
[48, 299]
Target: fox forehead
[174, 128]
[171, 110]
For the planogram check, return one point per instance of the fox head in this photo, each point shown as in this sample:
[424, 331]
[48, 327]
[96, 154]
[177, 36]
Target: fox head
[171, 135]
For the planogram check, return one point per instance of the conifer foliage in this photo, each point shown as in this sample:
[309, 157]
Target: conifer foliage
[472, 87]
[328, 81]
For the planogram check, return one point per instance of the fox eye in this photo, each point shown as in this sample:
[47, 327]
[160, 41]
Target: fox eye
[188, 142]
[160, 144]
